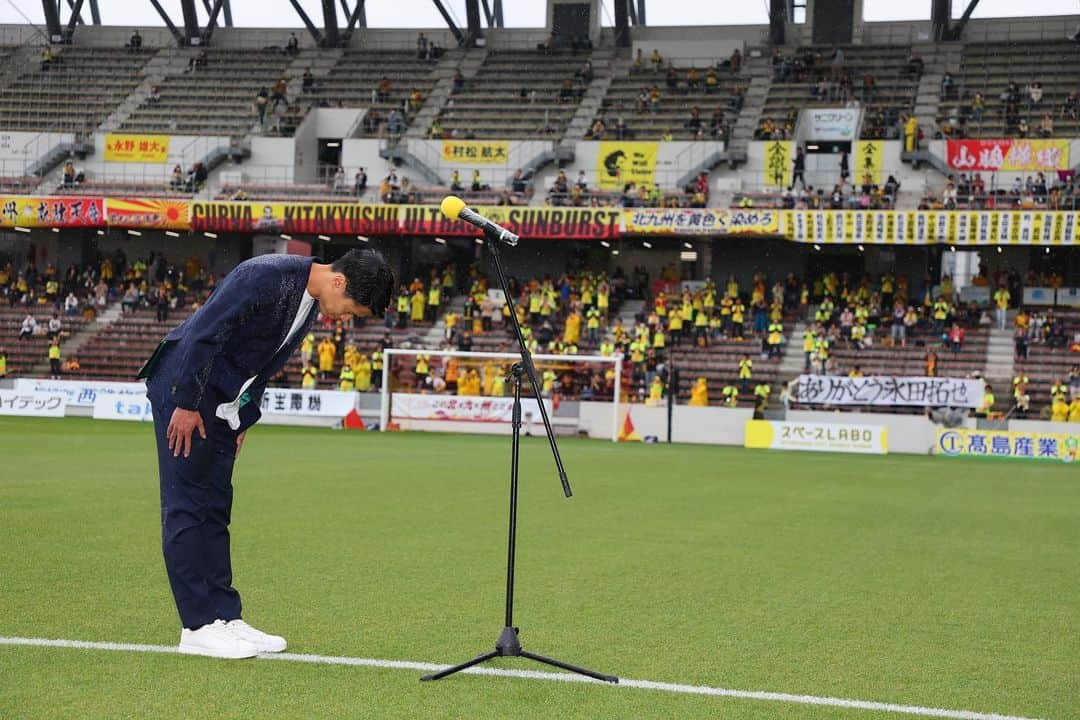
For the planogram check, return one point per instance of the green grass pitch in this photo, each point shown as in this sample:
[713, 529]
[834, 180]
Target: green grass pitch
[910, 580]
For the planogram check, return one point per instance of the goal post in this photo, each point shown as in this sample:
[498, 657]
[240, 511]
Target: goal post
[570, 377]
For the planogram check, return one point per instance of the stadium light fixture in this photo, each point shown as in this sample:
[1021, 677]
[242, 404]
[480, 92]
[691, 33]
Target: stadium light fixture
[362, 238]
[999, 249]
[688, 246]
[605, 243]
[286, 237]
[333, 144]
[479, 241]
[171, 233]
[212, 236]
[21, 229]
[325, 237]
[817, 247]
[135, 233]
[647, 245]
[440, 241]
[952, 248]
[614, 252]
[56, 230]
[1047, 249]
[861, 248]
[100, 232]
[688, 256]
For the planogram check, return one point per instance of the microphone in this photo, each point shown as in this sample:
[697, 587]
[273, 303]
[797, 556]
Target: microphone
[454, 208]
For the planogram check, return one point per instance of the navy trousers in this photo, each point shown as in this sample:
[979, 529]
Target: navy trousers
[196, 506]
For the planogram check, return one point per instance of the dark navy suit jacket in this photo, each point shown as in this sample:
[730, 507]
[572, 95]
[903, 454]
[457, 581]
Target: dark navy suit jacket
[236, 335]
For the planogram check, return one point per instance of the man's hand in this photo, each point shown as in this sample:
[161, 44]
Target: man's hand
[182, 424]
[240, 442]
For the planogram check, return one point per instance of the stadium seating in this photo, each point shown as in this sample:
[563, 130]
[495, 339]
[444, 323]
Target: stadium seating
[675, 106]
[988, 68]
[499, 101]
[893, 94]
[77, 91]
[217, 99]
[24, 355]
[354, 80]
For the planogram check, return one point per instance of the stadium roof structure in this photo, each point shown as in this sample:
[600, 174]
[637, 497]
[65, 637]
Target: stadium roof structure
[340, 18]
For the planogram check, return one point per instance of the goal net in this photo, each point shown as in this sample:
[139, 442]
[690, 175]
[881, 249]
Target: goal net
[471, 391]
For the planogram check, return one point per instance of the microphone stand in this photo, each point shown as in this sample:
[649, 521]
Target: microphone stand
[508, 644]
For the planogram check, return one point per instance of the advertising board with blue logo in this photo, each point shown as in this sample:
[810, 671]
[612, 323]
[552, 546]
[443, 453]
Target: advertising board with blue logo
[1061, 447]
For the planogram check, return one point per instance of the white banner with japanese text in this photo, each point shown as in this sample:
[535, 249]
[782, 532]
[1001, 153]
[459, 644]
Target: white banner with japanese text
[123, 407]
[82, 393]
[888, 390]
[307, 403]
[461, 409]
[818, 437]
[32, 403]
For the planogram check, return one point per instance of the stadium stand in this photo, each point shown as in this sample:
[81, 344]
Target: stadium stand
[73, 92]
[629, 112]
[383, 82]
[1003, 75]
[819, 76]
[216, 97]
[536, 95]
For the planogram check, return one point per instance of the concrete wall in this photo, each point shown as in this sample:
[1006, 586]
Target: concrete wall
[306, 158]
[335, 123]
[364, 153]
[18, 150]
[519, 153]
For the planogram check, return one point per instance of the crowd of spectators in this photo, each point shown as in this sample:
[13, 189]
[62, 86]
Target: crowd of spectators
[972, 191]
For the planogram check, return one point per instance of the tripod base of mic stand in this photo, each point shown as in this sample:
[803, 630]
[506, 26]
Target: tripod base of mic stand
[508, 645]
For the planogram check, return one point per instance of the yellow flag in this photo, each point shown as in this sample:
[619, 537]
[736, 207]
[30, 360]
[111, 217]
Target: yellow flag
[778, 163]
[868, 161]
[618, 163]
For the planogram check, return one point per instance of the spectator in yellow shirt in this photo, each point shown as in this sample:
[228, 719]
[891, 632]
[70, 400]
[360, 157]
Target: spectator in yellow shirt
[699, 394]
[1059, 411]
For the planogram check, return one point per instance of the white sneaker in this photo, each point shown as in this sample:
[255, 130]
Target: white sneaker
[216, 640]
[265, 642]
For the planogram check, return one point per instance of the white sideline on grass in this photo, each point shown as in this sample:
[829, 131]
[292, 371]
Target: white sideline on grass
[538, 675]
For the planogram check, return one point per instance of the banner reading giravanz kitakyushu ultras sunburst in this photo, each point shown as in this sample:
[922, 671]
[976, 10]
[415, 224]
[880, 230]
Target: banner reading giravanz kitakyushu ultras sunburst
[889, 390]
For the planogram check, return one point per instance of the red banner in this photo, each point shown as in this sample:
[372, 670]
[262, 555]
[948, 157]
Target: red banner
[1007, 155]
[528, 222]
[63, 212]
[300, 218]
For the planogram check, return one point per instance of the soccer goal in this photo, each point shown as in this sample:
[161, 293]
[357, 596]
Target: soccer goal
[470, 392]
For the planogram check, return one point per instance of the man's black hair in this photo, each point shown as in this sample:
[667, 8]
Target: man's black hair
[368, 277]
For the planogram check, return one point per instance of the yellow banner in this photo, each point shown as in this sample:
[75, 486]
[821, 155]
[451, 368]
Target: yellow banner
[778, 163]
[618, 163]
[476, 152]
[136, 148]
[930, 227]
[1008, 444]
[868, 161]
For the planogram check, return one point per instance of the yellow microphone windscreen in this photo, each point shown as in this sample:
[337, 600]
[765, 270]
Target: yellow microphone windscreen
[452, 206]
